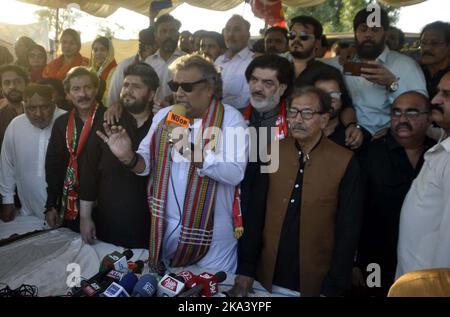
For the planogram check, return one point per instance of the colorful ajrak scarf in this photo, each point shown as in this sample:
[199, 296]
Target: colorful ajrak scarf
[198, 210]
[281, 122]
[70, 196]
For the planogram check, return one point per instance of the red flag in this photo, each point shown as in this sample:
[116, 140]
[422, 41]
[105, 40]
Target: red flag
[269, 10]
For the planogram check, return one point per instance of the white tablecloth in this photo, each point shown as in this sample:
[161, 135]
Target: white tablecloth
[42, 260]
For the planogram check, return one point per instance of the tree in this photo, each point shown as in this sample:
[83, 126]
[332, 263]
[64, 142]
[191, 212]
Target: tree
[337, 15]
[108, 30]
[58, 19]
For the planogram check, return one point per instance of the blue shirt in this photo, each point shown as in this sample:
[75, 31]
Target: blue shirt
[371, 101]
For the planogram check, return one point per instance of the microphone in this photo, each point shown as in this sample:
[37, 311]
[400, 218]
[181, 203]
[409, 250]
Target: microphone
[207, 285]
[170, 285]
[116, 261]
[128, 281]
[176, 118]
[136, 267]
[115, 290]
[145, 287]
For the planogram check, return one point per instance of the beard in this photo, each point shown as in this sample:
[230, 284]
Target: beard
[135, 107]
[303, 55]
[14, 96]
[267, 104]
[370, 52]
[169, 45]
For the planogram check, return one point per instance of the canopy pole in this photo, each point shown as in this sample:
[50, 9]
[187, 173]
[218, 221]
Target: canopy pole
[56, 31]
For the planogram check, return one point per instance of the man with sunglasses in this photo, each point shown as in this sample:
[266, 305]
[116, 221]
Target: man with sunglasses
[391, 163]
[190, 193]
[309, 231]
[390, 73]
[424, 234]
[304, 40]
[435, 53]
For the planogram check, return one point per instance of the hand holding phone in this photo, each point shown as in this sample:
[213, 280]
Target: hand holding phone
[354, 68]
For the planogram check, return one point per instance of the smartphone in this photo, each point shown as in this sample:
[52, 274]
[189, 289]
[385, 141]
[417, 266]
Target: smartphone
[354, 69]
[160, 5]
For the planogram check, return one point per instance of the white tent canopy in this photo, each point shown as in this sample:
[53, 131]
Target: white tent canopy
[104, 8]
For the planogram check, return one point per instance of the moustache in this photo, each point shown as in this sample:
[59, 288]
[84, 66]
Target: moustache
[296, 126]
[403, 125]
[368, 42]
[426, 53]
[297, 43]
[83, 99]
[258, 94]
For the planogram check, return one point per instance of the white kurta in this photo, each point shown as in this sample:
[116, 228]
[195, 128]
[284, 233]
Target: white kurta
[222, 254]
[23, 164]
[235, 86]
[161, 67]
[424, 237]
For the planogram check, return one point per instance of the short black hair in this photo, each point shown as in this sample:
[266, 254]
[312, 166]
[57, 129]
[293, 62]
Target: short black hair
[443, 27]
[308, 20]
[276, 29]
[401, 35]
[21, 72]
[324, 98]
[216, 36]
[145, 72]
[166, 18]
[147, 36]
[5, 56]
[79, 71]
[258, 46]
[321, 74]
[55, 83]
[363, 14]
[284, 68]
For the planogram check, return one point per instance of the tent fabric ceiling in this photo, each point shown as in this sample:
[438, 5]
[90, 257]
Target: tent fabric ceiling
[104, 8]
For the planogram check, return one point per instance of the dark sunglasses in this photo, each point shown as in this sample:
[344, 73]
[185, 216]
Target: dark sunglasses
[187, 87]
[302, 36]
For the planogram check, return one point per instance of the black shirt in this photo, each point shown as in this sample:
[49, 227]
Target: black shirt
[313, 68]
[287, 267]
[389, 177]
[58, 157]
[433, 81]
[122, 216]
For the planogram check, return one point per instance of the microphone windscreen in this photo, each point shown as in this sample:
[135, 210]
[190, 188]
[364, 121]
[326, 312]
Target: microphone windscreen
[128, 282]
[128, 254]
[179, 109]
[221, 276]
[145, 287]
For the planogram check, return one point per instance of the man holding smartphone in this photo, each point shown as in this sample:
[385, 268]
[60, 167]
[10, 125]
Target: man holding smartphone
[390, 74]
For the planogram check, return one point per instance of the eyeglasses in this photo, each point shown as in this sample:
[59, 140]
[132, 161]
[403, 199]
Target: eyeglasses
[336, 95]
[409, 113]
[302, 36]
[306, 114]
[363, 28]
[431, 43]
[187, 87]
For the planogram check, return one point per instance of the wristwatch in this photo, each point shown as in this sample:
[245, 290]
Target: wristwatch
[393, 87]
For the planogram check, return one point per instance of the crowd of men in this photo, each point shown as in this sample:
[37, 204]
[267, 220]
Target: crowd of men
[362, 172]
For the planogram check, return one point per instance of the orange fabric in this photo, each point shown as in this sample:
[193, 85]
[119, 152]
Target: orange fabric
[56, 69]
[108, 69]
[423, 283]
